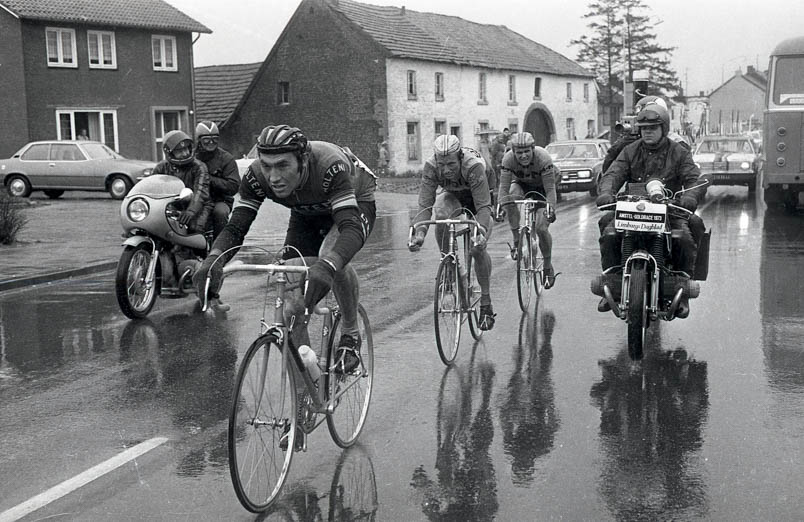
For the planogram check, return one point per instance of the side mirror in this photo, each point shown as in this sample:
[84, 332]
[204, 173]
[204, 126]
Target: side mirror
[186, 194]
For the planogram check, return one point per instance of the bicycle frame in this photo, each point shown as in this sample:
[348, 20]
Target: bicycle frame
[453, 232]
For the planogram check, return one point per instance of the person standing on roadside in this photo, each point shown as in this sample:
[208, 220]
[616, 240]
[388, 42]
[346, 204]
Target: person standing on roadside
[224, 180]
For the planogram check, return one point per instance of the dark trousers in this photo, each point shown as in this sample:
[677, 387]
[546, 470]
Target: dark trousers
[220, 216]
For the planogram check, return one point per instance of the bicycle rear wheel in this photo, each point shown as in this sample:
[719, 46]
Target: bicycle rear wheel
[471, 299]
[524, 272]
[447, 312]
[352, 390]
[263, 412]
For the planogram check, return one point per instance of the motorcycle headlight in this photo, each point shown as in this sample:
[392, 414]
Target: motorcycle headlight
[137, 210]
[745, 165]
[584, 174]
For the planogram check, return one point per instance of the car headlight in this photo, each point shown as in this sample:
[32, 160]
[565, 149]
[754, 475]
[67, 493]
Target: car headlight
[137, 210]
[147, 172]
[745, 165]
[584, 173]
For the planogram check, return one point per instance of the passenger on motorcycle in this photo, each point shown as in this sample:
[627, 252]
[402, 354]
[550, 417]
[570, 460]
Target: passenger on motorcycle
[330, 194]
[654, 156]
[630, 135]
[527, 168]
[461, 172]
[223, 177]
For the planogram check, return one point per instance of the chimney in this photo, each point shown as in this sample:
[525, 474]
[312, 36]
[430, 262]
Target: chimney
[402, 11]
[700, 93]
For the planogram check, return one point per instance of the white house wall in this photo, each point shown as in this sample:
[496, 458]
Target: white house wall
[460, 105]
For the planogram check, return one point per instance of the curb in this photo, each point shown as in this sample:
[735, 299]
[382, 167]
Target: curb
[13, 284]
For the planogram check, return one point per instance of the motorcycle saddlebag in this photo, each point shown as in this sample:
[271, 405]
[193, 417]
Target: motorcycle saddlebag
[702, 260]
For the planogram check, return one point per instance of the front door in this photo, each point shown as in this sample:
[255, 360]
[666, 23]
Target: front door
[539, 123]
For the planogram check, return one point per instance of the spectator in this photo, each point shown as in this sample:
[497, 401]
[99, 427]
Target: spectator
[83, 135]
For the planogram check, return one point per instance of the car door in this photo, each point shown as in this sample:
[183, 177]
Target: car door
[66, 167]
[35, 161]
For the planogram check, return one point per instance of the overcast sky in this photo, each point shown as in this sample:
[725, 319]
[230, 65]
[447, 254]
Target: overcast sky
[713, 37]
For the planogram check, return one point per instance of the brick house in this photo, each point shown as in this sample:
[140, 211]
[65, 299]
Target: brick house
[358, 74]
[120, 69]
[738, 104]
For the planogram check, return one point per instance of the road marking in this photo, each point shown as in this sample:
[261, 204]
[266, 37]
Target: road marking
[70, 485]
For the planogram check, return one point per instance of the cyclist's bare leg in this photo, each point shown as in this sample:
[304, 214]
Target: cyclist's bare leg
[294, 304]
[482, 261]
[345, 287]
[446, 206]
[545, 239]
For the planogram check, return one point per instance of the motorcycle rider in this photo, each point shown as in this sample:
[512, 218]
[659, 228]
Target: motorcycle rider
[654, 156]
[180, 162]
[224, 179]
[461, 172]
[330, 194]
[527, 168]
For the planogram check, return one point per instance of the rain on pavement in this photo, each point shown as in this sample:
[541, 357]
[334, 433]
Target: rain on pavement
[545, 417]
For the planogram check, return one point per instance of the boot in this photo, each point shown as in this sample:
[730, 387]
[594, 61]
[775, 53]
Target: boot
[683, 310]
[603, 305]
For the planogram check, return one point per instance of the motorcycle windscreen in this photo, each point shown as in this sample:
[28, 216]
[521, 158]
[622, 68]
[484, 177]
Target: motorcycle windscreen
[640, 216]
[157, 186]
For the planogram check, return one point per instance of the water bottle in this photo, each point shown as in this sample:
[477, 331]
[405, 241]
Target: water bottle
[310, 361]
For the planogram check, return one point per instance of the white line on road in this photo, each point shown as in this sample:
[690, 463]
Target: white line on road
[70, 485]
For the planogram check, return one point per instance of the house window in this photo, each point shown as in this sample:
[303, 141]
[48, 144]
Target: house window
[411, 85]
[569, 91]
[440, 127]
[414, 141]
[97, 125]
[513, 126]
[511, 89]
[439, 86]
[164, 53]
[166, 121]
[455, 130]
[570, 128]
[60, 47]
[482, 127]
[283, 93]
[481, 91]
[537, 88]
[101, 50]
[586, 93]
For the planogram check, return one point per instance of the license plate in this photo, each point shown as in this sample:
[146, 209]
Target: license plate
[721, 176]
[640, 216]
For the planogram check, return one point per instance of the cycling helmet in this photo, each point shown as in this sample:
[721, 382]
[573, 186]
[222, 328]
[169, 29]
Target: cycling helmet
[278, 139]
[647, 100]
[206, 128]
[654, 114]
[446, 144]
[522, 140]
[171, 141]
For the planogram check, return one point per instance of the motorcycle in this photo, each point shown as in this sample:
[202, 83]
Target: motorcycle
[646, 287]
[159, 255]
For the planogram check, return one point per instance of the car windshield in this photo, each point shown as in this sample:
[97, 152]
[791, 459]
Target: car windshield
[710, 146]
[572, 151]
[100, 151]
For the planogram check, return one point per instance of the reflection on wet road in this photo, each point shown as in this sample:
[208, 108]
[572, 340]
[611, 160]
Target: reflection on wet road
[545, 417]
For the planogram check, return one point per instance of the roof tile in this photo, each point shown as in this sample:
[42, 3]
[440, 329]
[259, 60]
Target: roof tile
[219, 88]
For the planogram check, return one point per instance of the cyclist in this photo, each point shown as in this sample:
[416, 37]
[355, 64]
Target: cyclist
[223, 177]
[527, 168]
[330, 193]
[461, 172]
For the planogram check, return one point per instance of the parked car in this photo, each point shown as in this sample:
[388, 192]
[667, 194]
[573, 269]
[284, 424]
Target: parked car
[245, 161]
[56, 166]
[580, 163]
[728, 160]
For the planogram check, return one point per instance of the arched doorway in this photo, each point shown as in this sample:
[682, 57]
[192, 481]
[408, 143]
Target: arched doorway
[539, 122]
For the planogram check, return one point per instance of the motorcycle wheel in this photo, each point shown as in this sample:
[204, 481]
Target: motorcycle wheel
[637, 311]
[135, 295]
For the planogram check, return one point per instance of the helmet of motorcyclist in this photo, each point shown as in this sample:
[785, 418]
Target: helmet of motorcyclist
[446, 144]
[178, 148]
[207, 135]
[279, 139]
[522, 140]
[654, 114]
[647, 100]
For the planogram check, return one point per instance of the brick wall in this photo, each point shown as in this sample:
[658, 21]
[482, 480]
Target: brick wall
[13, 114]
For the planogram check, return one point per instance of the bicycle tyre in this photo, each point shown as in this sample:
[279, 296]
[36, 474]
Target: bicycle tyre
[264, 405]
[447, 311]
[472, 299]
[351, 410]
[523, 269]
[637, 311]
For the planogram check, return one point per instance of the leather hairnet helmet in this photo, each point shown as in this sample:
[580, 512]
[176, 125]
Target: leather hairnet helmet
[206, 128]
[654, 114]
[522, 140]
[647, 100]
[278, 139]
[446, 144]
[172, 140]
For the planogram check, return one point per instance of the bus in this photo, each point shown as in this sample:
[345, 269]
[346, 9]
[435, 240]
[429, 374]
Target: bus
[783, 126]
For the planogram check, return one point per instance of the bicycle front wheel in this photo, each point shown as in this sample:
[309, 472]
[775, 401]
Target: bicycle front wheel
[262, 425]
[524, 269]
[447, 310]
[351, 391]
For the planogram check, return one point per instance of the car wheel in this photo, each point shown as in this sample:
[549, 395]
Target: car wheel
[119, 187]
[54, 193]
[18, 186]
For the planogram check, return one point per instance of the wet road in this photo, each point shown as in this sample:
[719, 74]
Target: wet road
[544, 418]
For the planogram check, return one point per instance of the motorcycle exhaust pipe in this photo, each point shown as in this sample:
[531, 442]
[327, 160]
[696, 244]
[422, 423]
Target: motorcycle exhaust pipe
[615, 308]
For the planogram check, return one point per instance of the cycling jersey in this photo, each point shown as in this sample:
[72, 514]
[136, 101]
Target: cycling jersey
[539, 175]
